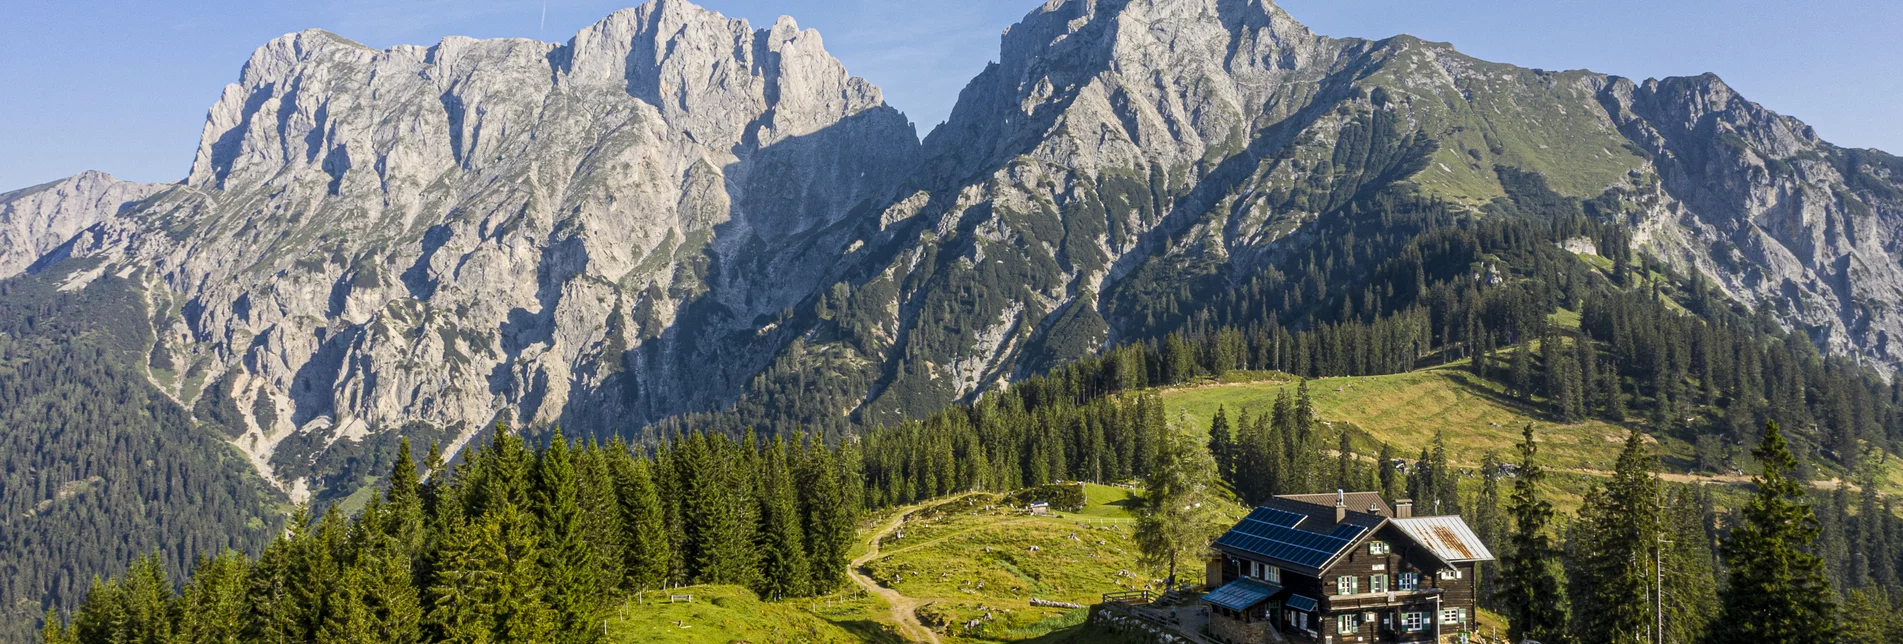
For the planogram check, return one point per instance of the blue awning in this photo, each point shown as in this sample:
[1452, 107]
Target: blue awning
[1241, 594]
[1298, 602]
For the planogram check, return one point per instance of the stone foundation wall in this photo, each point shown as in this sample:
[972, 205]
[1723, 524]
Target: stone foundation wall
[1235, 631]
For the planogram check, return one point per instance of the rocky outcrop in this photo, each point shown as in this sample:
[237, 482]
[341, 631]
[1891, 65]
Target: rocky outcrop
[589, 232]
[1775, 216]
[38, 220]
[676, 212]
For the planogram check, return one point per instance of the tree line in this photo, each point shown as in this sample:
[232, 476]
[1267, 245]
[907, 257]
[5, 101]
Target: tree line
[1648, 561]
[511, 544]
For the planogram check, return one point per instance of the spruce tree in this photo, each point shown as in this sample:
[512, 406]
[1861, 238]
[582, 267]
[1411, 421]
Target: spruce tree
[1531, 592]
[1489, 525]
[53, 629]
[1611, 574]
[569, 570]
[1390, 478]
[1179, 515]
[212, 608]
[1221, 440]
[782, 543]
[1776, 591]
[830, 521]
[644, 518]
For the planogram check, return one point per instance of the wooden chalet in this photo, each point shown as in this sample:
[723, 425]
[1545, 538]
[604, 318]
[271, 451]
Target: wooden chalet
[1343, 567]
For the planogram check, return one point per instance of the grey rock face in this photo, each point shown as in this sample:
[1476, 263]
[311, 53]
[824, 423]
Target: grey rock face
[1775, 216]
[675, 211]
[36, 221]
[512, 229]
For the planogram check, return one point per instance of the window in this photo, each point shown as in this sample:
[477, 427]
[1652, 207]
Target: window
[1378, 547]
[1378, 583]
[1409, 581]
[1414, 622]
[1347, 585]
[1453, 616]
[1347, 624]
[1450, 573]
[1263, 571]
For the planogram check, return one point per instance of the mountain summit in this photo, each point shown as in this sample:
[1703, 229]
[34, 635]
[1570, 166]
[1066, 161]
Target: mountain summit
[676, 212]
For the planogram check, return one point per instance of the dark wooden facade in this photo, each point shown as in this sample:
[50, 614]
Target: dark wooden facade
[1375, 605]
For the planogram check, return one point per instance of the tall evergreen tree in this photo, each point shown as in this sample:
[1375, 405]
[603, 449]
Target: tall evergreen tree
[830, 519]
[212, 609]
[1776, 591]
[572, 580]
[644, 518]
[1611, 578]
[1531, 592]
[1221, 444]
[782, 542]
[1179, 516]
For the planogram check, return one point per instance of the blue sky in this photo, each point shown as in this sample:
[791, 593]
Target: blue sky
[123, 86]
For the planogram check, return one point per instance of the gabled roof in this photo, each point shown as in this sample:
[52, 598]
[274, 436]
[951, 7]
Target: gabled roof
[1360, 502]
[1448, 537]
[1290, 533]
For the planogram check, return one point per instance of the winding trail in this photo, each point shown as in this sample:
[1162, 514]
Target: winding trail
[904, 609]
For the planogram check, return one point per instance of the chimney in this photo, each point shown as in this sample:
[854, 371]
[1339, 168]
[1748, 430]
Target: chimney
[1403, 508]
[1341, 506]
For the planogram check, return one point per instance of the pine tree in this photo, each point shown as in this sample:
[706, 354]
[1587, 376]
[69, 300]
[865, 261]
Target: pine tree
[1347, 471]
[1610, 576]
[830, 522]
[405, 501]
[347, 618]
[1221, 443]
[714, 508]
[1686, 566]
[1522, 373]
[489, 586]
[53, 629]
[569, 570]
[645, 520]
[1390, 477]
[601, 517]
[782, 544]
[1531, 592]
[1489, 525]
[1776, 591]
[212, 608]
[1869, 615]
[1445, 492]
[1179, 516]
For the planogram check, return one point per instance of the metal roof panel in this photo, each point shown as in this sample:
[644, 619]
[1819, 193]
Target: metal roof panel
[1448, 537]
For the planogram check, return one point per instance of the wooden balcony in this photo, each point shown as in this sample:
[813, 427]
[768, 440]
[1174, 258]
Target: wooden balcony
[1363, 601]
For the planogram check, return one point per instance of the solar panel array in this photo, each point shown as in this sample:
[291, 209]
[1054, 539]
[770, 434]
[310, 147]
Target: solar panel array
[1272, 533]
[1301, 603]
[1241, 594]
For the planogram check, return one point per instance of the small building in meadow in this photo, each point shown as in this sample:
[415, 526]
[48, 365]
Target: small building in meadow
[1341, 568]
[1040, 508]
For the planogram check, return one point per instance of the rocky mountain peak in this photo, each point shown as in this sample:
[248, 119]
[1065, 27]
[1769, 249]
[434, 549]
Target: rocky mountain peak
[574, 232]
[36, 221]
[1173, 77]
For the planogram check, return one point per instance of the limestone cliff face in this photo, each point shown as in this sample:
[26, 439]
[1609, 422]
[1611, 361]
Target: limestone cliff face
[38, 220]
[677, 212]
[1778, 218]
[587, 232]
